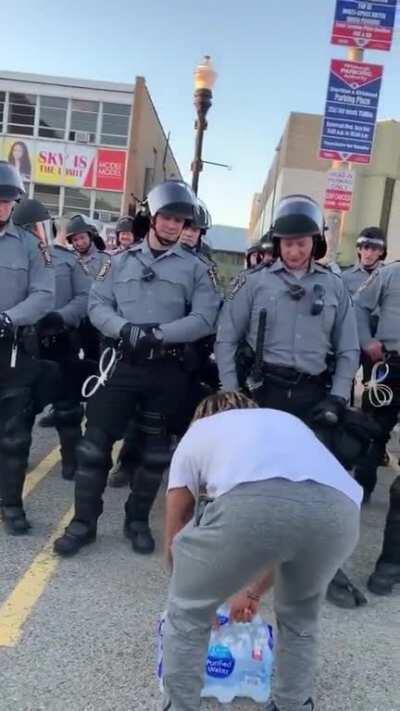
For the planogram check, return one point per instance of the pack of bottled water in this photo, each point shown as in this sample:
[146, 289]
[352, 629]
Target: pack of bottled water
[239, 661]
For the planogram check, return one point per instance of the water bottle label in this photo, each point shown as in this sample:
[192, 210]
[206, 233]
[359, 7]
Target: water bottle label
[220, 662]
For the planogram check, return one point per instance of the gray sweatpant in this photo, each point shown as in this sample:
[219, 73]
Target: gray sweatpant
[307, 530]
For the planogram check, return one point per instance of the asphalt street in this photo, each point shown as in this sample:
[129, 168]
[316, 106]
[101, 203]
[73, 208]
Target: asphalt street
[80, 634]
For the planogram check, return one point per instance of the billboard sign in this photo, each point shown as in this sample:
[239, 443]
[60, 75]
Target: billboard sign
[69, 164]
[350, 111]
[367, 25]
[339, 191]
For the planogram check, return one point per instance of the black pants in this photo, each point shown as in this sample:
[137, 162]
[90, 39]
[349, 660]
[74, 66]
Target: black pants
[298, 399]
[90, 340]
[386, 417]
[158, 390]
[17, 414]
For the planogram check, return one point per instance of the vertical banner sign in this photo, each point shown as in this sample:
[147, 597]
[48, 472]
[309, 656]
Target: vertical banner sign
[350, 111]
[339, 191]
[367, 25]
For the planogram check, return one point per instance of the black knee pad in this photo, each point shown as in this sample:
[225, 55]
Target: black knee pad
[156, 450]
[94, 450]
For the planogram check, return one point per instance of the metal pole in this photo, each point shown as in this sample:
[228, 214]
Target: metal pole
[335, 218]
[202, 102]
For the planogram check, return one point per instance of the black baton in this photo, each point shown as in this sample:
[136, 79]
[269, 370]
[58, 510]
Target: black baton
[255, 378]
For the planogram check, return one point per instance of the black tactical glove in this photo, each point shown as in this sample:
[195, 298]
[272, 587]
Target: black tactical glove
[328, 411]
[52, 324]
[6, 326]
[140, 340]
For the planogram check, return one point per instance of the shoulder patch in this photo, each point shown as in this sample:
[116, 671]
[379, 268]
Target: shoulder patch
[237, 284]
[43, 248]
[104, 269]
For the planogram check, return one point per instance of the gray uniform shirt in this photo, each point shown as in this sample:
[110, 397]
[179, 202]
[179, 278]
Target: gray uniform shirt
[72, 286]
[294, 337]
[381, 291]
[94, 262]
[356, 276]
[181, 296]
[26, 277]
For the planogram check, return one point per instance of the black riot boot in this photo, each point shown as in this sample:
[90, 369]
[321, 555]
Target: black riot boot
[387, 569]
[68, 417]
[15, 521]
[94, 461]
[15, 440]
[146, 482]
[144, 488]
[342, 593]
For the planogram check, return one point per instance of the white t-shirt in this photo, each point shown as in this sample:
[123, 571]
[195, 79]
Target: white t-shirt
[237, 446]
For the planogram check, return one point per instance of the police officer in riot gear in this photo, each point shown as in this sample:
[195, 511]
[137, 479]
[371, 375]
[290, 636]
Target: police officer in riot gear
[308, 317]
[382, 292]
[89, 247]
[26, 295]
[58, 332]
[124, 230]
[371, 251]
[142, 303]
[260, 253]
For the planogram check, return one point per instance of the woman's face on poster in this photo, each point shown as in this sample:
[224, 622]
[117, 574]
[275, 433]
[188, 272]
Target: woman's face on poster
[18, 151]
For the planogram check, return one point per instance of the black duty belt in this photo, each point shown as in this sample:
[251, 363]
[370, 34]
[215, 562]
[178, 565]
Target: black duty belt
[158, 353]
[290, 377]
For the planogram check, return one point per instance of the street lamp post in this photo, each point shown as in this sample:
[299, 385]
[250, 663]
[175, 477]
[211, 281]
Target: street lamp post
[204, 80]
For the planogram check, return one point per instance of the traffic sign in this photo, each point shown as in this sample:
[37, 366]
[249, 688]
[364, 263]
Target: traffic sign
[339, 191]
[367, 25]
[350, 111]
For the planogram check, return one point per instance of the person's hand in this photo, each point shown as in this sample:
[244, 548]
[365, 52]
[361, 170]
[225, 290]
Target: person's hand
[374, 351]
[140, 339]
[243, 607]
[329, 410]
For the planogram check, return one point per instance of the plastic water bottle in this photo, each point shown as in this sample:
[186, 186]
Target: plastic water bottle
[239, 662]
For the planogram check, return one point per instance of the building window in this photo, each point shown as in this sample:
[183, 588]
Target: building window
[115, 124]
[107, 206]
[83, 121]
[2, 102]
[49, 195]
[21, 114]
[76, 201]
[52, 117]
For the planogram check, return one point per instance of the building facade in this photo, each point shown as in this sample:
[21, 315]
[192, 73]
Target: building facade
[296, 168]
[91, 147]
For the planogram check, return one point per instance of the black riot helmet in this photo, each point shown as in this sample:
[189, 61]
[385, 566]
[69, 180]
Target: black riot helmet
[202, 220]
[81, 223]
[33, 216]
[173, 197]
[124, 224]
[11, 185]
[299, 216]
[373, 237]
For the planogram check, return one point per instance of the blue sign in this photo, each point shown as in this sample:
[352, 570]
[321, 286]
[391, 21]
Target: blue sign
[351, 111]
[367, 25]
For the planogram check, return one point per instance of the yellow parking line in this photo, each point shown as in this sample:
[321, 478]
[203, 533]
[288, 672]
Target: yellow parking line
[40, 471]
[16, 609]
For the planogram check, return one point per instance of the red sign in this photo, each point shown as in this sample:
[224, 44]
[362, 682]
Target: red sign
[110, 169]
[367, 25]
[339, 192]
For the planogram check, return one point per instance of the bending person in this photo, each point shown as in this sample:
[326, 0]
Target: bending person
[299, 514]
